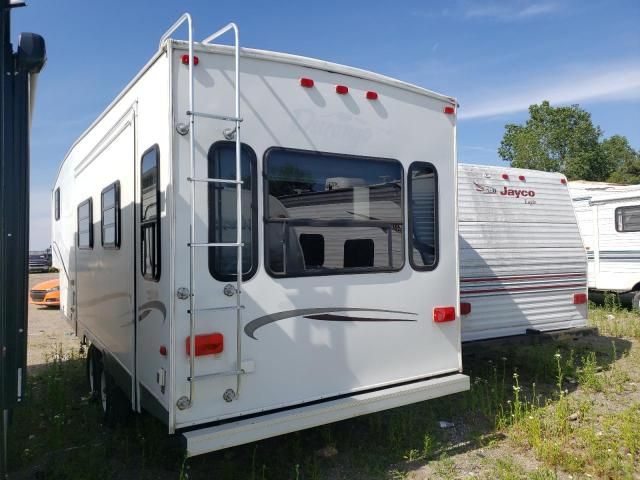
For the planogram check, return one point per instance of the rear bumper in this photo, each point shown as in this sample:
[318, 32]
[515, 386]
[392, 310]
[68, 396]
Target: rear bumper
[209, 439]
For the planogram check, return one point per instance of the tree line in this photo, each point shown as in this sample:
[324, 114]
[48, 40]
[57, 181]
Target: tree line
[564, 139]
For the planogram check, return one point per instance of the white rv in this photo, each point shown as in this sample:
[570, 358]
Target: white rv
[522, 265]
[609, 219]
[244, 242]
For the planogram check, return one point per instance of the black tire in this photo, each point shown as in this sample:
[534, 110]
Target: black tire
[635, 301]
[94, 362]
[114, 403]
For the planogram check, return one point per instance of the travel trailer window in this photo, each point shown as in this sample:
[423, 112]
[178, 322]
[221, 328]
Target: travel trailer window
[628, 219]
[149, 214]
[423, 216]
[332, 214]
[110, 218]
[222, 211]
[85, 225]
[57, 204]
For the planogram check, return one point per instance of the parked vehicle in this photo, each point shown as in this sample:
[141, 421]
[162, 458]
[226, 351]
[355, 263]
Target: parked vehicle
[241, 287]
[609, 219]
[39, 261]
[522, 265]
[46, 294]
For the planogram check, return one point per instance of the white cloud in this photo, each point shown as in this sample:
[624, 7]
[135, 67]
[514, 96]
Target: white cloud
[586, 84]
[509, 11]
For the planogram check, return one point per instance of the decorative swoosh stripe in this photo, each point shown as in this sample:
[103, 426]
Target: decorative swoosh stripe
[255, 324]
[145, 310]
[328, 317]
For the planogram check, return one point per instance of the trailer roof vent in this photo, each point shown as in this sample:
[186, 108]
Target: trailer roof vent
[371, 95]
[306, 82]
[449, 109]
[342, 89]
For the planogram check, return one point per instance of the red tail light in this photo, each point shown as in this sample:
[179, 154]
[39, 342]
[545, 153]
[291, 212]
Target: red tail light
[342, 89]
[579, 298]
[206, 344]
[185, 60]
[444, 314]
[306, 82]
[372, 95]
[449, 110]
[465, 308]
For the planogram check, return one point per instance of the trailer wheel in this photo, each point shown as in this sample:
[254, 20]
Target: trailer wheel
[114, 403]
[93, 371]
[635, 301]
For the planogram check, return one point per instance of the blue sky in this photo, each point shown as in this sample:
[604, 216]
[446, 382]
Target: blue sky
[496, 57]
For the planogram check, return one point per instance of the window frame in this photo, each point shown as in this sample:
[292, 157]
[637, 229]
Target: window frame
[341, 271]
[436, 218]
[116, 214]
[253, 162]
[620, 227]
[56, 204]
[144, 224]
[88, 201]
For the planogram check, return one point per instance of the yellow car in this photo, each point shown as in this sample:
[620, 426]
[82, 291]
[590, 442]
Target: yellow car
[46, 294]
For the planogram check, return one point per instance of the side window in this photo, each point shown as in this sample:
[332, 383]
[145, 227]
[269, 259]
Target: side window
[329, 214]
[110, 218]
[222, 211]
[56, 204]
[423, 216]
[85, 225]
[628, 218]
[150, 214]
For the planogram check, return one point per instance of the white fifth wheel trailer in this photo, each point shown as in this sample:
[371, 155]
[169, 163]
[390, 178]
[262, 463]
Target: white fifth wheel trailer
[522, 265]
[609, 220]
[244, 239]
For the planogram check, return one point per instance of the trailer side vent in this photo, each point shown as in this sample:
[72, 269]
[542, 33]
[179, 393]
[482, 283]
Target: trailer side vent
[579, 298]
[372, 95]
[206, 344]
[449, 110]
[444, 314]
[306, 82]
[465, 308]
[342, 89]
[185, 60]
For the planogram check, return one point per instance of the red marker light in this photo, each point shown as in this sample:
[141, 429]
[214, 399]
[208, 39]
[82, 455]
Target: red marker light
[185, 60]
[563, 181]
[342, 89]
[163, 350]
[521, 177]
[372, 95]
[579, 298]
[444, 314]
[465, 308]
[206, 344]
[449, 110]
[505, 176]
[306, 82]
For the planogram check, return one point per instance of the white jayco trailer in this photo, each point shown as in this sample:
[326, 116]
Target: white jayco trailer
[609, 220]
[244, 239]
[522, 265]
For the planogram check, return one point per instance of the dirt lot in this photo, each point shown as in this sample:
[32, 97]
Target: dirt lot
[48, 332]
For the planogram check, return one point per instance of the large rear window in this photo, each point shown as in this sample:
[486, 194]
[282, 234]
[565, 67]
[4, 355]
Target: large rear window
[332, 214]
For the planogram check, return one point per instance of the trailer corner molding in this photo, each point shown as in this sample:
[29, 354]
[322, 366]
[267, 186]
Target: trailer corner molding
[324, 314]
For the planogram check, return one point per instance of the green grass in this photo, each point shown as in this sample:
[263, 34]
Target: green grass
[563, 403]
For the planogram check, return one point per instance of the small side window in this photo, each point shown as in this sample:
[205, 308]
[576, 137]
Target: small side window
[56, 204]
[85, 225]
[628, 218]
[423, 216]
[150, 214]
[110, 218]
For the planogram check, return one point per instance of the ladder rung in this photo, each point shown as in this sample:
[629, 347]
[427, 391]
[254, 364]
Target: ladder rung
[215, 244]
[211, 309]
[215, 180]
[219, 374]
[214, 116]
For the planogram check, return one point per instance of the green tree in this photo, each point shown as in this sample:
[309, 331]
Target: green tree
[558, 139]
[627, 160]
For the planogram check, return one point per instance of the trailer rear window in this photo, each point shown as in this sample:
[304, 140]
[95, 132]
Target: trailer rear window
[85, 225]
[110, 218]
[150, 214]
[628, 218]
[330, 214]
[56, 208]
[423, 216]
[222, 211]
